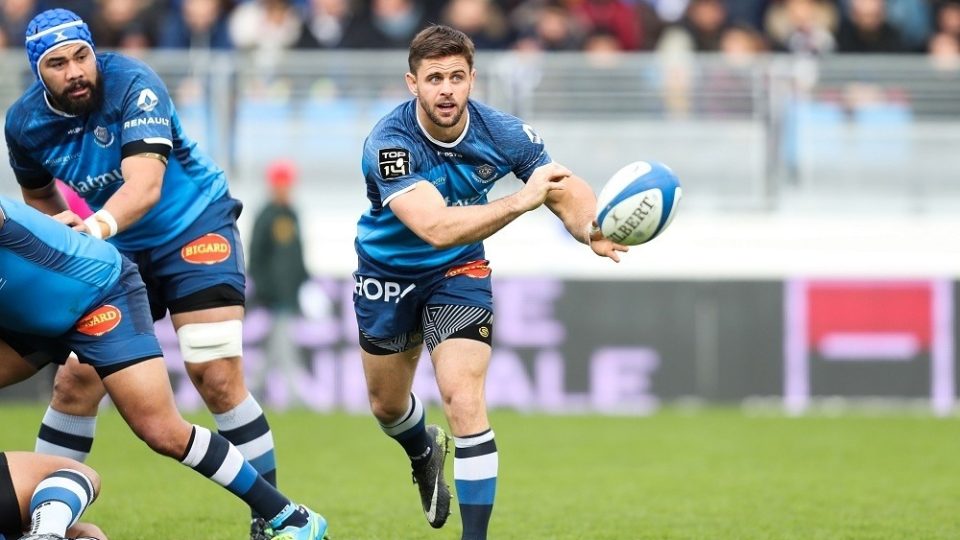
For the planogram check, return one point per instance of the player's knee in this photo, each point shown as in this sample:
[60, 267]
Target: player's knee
[164, 438]
[221, 389]
[386, 411]
[77, 391]
[462, 404]
[205, 342]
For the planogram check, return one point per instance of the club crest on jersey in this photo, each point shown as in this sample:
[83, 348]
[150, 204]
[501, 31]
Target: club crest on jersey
[485, 172]
[147, 101]
[394, 163]
[208, 249]
[103, 136]
[99, 321]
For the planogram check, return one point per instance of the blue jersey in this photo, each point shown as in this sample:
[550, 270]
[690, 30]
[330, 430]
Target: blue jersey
[398, 153]
[50, 275]
[85, 151]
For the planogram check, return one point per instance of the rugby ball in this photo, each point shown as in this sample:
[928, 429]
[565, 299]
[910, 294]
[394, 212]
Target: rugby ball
[638, 202]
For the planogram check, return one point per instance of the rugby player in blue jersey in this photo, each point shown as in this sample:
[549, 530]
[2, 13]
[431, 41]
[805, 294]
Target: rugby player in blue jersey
[63, 291]
[106, 125]
[422, 276]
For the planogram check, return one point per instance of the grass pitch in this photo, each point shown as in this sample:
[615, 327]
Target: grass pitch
[711, 475]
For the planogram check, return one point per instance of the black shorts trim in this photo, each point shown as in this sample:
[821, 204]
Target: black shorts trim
[212, 297]
[104, 371]
[369, 347]
[11, 525]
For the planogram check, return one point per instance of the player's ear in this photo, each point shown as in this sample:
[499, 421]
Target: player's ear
[411, 83]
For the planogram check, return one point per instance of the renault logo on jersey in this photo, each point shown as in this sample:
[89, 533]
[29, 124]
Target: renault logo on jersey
[99, 321]
[147, 101]
[103, 136]
[394, 163]
[208, 249]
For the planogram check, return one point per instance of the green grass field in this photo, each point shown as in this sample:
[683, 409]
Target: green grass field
[711, 475]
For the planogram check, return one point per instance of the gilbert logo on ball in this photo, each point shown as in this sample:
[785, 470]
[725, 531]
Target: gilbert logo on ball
[638, 202]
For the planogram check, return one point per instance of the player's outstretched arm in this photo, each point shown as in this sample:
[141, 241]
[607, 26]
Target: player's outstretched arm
[424, 211]
[576, 207]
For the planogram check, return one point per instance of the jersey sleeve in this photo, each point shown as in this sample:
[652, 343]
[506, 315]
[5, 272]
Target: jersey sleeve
[147, 117]
[29, 173]
[392, 164]
[526, 148]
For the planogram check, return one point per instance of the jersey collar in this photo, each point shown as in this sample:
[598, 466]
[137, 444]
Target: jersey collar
[463, 134]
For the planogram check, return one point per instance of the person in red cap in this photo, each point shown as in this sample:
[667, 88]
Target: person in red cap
[278, 271]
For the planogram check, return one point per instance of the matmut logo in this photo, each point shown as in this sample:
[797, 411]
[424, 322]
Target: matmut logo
[208, 249]
[99, 321]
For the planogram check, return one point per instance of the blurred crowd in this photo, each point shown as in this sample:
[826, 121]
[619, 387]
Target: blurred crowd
[798, 26]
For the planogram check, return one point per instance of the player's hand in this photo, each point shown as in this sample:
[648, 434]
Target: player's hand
[71, 220]
[605, 247]
[544, 179]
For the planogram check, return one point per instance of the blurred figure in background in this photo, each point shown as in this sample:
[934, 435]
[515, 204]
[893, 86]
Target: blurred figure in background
[802, 26]
[867, 30]
[197, 25]
[482, 20]
[701, 29]
[266, 28]
[121, 24]
[278, 271]
[386, 24]
[14, 16]
[617, 18]
[325, 24]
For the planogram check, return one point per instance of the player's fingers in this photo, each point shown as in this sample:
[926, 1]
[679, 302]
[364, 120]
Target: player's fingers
[68, 218]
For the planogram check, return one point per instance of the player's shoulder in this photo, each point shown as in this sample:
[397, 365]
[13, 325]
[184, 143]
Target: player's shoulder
[26, 106]
[125, 75]
[498, 125]
[396, 129]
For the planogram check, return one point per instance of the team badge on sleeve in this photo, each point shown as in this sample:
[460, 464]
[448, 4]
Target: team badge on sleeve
[394, 163]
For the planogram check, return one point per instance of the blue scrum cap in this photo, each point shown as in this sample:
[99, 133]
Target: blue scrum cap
[52, 29]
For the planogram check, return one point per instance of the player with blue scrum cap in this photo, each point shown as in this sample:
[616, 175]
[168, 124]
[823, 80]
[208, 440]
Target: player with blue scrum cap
[105, 125]
[422, 276]
[62, 291]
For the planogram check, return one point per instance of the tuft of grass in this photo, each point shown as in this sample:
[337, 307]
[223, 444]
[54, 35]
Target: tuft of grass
[713, 475]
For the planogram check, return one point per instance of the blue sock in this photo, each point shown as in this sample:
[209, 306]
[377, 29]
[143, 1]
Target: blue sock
[59, 500]
[246, 427]
[475, 464]
[214, 457]
[411, 432]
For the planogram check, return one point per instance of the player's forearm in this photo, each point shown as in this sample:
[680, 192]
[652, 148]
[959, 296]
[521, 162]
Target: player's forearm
[575, 206]
[132, 201]
[47, 199]
[459, 225]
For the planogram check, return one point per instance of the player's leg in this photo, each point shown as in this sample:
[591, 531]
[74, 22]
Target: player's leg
[70, 422]
[46, 494]
[458, 329]
[461, 367]
[142, 393]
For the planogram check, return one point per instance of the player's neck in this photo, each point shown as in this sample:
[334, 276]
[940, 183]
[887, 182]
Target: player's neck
[448, 137]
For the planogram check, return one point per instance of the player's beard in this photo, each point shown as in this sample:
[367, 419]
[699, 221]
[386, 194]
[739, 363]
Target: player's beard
[445, 123]
[78, 107]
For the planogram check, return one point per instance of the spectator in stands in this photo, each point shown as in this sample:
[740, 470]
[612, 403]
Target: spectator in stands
[617, 18]
[948, 18]
[944, 52]
[266, 28]
[701, 28]
[198, 24]
[867, 30]
[121, 24]
[481, 20]
[325, 24]
[549, 27]
[802, 26]
[14, 16]
[912, 19]
[386, 24]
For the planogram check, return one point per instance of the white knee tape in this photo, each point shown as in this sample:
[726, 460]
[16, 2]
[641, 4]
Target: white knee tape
[203, 342]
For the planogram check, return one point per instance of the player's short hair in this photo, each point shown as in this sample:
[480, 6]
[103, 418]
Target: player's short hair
[437, 41]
